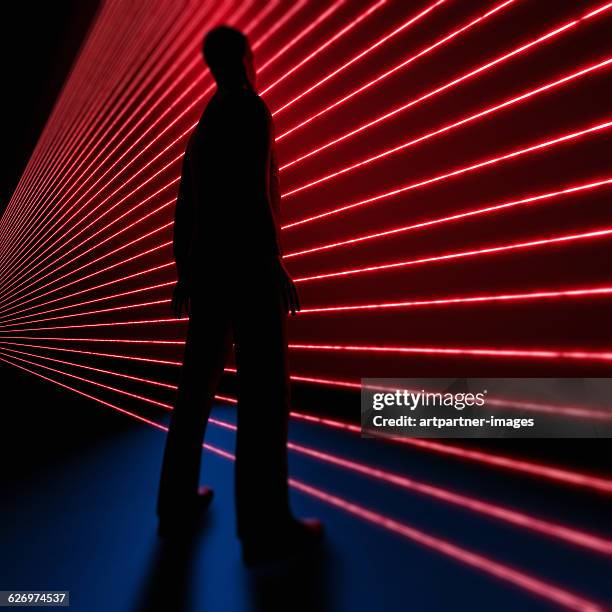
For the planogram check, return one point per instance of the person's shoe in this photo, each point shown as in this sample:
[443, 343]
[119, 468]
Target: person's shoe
[203, 499]
[183, 523]
[300, 537]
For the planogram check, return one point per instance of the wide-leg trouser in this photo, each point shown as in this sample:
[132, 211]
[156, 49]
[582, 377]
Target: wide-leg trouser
[254, 315]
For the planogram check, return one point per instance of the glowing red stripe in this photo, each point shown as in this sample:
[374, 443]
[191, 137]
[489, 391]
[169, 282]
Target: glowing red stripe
[330, 41]
[148, 381]
[460, 171]
[118, 35]
[59, 112]
[125, 228]
[113, 266]
[546, 527]
[82, 131]
[561, 410]
[477, 299]
[167, 362]
[469, 299]
[549, 528]
[7, 301]
[169, 264]
[504, 572]
[601, 9]
[277, 26]
[594, 483]
[16, 291]
[175, 43]
[455, 217]
[142, 118]
[71, 83]
[494, 402]
[267, 63]
[99, 311]
[142, 398]
[444, 129]
[159, 83]
[489, 566]
[4, 321]
[381, 41]
[36, 263]
[518, 50]
[567, 477]
[312, 25]
[571, 354]
[149, 78]
[445, 257]
[564, 239]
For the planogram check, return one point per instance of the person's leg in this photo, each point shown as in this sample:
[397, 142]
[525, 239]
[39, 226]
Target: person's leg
[263, 410]
[206, 347]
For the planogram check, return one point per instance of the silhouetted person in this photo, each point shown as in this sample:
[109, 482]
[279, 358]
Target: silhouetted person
[232, 280]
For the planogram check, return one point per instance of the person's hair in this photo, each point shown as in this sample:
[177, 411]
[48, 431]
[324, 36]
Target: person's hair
[224, 50]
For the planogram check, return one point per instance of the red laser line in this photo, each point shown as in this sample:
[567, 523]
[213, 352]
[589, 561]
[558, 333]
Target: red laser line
[169, 264]
[327, 13]
[80, 127]
[547, 472]
[16, 292]
[489, 566]
[466, 76]
[263, 38]
[570, 535]
[446, 257]
[455, 217]
[563, 239]
[381, 41]
[120, 263]
[142, 85]
[546, 354]
[529, 199]
[114, 165]
[528, 95]
[159, 83]
[460, 171]
[330, 41]
[140, 379]
[104, 229]
[4, 321]
[116, 36]
[556, 354]
[59, 111]
[448, 301]
[495, 402]
[466, 299]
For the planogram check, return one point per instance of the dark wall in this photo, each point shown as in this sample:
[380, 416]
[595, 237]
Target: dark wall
[40, 41]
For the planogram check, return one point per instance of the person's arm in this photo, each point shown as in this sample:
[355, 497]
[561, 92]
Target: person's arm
[184, 219]
[259, 170]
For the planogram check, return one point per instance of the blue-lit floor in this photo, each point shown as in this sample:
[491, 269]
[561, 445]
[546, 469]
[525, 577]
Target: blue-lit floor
[82, 519]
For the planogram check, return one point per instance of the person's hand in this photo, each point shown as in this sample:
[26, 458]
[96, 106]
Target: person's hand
[289, 290]
[180, 300]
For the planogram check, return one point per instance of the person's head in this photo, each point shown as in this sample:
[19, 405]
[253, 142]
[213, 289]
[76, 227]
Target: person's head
[229, 57]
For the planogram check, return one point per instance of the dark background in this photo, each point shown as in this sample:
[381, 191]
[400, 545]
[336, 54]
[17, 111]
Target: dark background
[39, 43]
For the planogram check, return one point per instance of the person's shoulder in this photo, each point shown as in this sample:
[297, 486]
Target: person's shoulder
[251, 103]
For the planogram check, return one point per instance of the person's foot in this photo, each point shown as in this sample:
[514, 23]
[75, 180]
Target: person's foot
[299, 537]
[177, 524]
